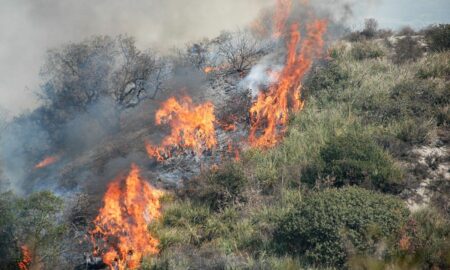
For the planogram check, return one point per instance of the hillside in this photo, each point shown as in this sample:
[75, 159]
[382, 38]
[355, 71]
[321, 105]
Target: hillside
[253, 150]
[369, 123]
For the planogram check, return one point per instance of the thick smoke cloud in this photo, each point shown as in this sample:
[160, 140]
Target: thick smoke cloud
[157, 23]
[29, 28]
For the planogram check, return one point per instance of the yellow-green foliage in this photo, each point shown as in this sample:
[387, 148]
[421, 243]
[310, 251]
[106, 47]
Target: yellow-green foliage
[227, 218]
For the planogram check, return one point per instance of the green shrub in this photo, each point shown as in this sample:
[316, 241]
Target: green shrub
[424, 241]
[355, 159]
[441, 195]
[9, 246]
[438, 37]
[435, 65]
[328, 80]
[220, 187]
[366, 50]
[416, 131]
[328, 226]
[33, 219]
[407, 49]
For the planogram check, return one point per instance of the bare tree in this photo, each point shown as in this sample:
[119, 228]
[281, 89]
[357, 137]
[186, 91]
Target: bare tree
[137, 72]
[78, 74]
[239, 50]
[196, 54]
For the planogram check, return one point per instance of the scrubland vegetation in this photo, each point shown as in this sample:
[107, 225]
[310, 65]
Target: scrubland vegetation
[332, 195]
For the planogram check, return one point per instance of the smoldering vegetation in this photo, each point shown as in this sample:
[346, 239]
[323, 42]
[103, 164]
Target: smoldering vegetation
[358, 147]
[104, 88]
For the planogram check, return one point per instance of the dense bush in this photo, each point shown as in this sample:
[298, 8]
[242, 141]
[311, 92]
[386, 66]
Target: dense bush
[219, 187]
[355, 159]
[9, 247]
[407, 49]
[366, 50]
[435, 65]
[327, 81]
[420, 99]
[33, 221]
[424, 242]
[438, 37]
[416, 131]
[329, 226]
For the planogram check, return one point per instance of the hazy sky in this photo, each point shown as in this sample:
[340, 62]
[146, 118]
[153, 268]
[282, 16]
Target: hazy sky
[29, 28]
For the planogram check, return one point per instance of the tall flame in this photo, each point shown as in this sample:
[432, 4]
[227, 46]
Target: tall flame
[282, 11]
[120, 234]
[192, 127]
[47, 161]
[269, 114]
[26, 258]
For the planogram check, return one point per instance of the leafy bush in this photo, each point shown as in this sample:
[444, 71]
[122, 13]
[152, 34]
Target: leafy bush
[441, 195]
[407, 49]
[438, 37]
[407, 31]
[31, 220]
[220, 187]
[330, 225]
[416, 131]
[9, 248]
[420, 99]
[355, 159]
[370, 28]
[435, 65]
[424, 241]
[327, 80]
[366, 50]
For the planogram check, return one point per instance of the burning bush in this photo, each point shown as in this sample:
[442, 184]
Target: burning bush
[330, 225]
[192, 127]
[120, 235]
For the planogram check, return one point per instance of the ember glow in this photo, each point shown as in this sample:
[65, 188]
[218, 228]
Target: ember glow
[120, 235]
[269, 114]
[192, 127]
[46, 162]
[26, 258]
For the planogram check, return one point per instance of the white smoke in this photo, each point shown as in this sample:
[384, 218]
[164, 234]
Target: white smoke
[261, 75]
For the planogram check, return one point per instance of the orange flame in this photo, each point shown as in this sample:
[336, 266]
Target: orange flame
[192, 127]
[270, 111]
[210, 69]
[47, 161]
[26, 258]
[120, 234]
[282, 11]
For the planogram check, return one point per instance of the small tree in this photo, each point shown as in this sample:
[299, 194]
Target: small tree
[136, 73]
[370, 28]
[240, 51]
[407, 49]
[438, 37]
[32, 221]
